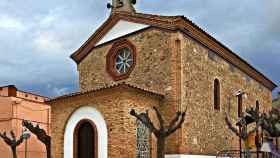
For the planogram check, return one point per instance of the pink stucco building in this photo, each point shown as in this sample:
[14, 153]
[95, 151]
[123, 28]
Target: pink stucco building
[15, 106]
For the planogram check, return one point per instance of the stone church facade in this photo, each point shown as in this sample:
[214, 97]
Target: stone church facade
[138, 61]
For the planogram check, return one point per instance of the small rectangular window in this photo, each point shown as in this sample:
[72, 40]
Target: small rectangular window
[217, 94]
[239, 99]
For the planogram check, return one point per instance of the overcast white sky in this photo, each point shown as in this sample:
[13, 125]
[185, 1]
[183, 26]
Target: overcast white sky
[37, 37]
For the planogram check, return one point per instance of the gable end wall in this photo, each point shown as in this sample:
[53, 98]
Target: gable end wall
[156, 70]
[189, 84]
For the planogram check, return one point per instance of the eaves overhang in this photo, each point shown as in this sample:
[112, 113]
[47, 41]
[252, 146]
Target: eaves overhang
[174, 23]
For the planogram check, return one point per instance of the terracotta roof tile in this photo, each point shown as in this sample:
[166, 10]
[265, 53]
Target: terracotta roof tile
[178, 23]
[123, 84]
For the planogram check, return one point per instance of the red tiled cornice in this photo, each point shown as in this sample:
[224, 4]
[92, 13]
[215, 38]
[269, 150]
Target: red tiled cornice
[123, 85]
[174, 23]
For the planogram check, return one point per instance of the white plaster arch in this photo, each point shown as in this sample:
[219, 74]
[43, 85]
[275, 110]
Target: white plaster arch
[96, 117]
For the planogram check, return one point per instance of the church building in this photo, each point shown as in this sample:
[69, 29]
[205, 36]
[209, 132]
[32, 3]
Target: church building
[137, 61]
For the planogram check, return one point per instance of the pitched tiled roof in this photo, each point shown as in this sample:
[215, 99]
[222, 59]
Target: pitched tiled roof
[155, 17]
[114, 17]
[174, 23]
[123, 84]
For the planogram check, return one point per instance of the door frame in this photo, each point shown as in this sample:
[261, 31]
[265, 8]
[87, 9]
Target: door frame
[95, 134]
[86, 113]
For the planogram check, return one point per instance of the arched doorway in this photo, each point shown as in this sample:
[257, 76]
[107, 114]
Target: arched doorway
[85, 140]
[78, 117]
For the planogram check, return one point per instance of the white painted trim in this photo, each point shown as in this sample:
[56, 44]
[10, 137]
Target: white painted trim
[120, 29]
[93, 115]
[189, 156]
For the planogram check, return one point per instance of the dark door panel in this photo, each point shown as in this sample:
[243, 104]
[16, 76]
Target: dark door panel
[86, 141]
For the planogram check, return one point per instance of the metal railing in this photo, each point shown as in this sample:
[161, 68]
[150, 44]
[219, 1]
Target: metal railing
[236, 154]
[229, 153]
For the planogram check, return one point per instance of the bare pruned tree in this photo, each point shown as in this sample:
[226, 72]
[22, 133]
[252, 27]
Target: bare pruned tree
[12, 142]
[164, 131]
[41, 135]
[271, 122]
[255, 115]
[243, 133]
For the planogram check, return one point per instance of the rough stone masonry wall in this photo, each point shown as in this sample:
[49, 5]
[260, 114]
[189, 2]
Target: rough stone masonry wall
[205, 131]
[155, 70]
[189, 84]
[114, 105]
[152, 70]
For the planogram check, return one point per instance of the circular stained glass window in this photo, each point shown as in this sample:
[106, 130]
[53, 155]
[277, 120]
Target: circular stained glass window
[124, 60]
[121, 60]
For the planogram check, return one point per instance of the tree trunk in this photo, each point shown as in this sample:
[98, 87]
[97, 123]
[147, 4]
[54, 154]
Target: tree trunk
[14, 150]
[247, 149]
[48, 148]
[160, 147]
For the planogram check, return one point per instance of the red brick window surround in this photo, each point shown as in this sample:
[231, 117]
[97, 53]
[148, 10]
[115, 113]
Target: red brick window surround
[217, 94]
[121, 60]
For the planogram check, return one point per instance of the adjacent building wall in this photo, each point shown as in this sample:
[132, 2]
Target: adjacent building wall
[23, 106]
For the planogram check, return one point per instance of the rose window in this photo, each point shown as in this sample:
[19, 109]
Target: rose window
[121, 60]
[124, 61]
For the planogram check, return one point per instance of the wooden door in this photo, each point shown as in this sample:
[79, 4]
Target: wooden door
[86, 143]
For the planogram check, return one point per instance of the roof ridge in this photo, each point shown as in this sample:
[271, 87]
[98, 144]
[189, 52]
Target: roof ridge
[104, 88]
[148, 14]
[181, 23]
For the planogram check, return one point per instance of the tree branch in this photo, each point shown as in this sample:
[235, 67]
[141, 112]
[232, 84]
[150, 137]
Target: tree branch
[161, 121]
[230, 126]
[175, 119]
[163, 132]
[39, 132]
[144, 118]
[6, 138]
[178, 125]
[271, 122]
[18, 142]
[12, 142]
[13, 135]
